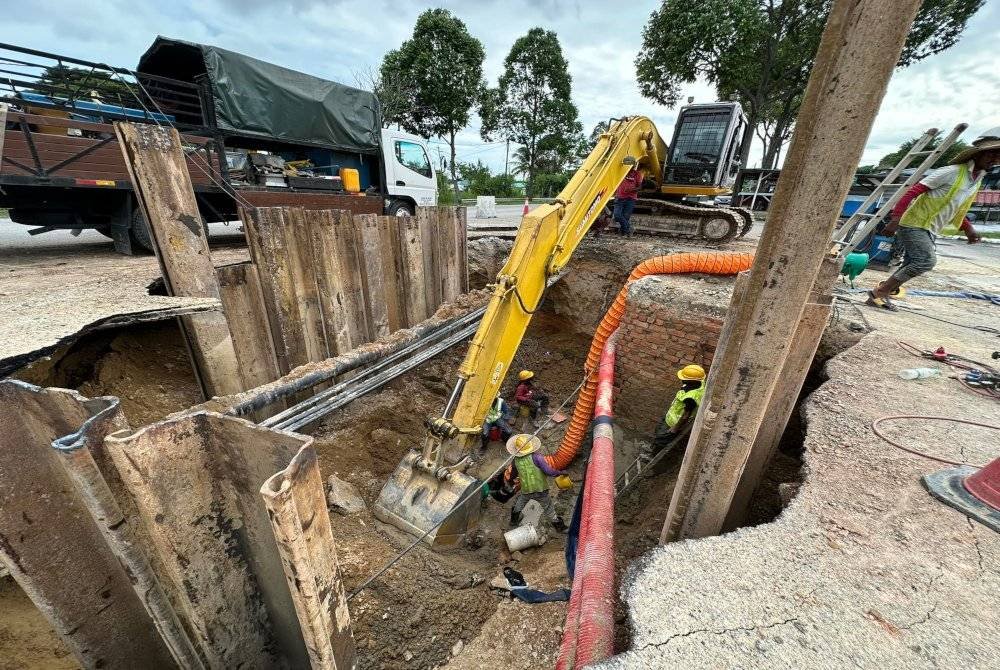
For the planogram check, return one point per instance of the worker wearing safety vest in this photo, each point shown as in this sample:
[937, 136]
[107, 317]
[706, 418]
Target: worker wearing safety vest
[940, 199]
[532, 470]
[497, 416]
[677, 421]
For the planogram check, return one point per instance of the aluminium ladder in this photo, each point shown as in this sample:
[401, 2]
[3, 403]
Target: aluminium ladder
[857, 228]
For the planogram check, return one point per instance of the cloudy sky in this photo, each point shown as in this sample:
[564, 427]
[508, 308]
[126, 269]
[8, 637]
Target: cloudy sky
[337, 39]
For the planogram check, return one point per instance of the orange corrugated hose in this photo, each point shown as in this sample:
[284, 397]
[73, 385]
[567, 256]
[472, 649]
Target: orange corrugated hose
[706, 262]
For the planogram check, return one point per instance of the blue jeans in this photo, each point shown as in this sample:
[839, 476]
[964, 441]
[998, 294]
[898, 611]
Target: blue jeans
[623, 212]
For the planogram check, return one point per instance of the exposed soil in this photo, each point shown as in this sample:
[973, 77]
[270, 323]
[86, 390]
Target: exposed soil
[27, 641]
[145, 365]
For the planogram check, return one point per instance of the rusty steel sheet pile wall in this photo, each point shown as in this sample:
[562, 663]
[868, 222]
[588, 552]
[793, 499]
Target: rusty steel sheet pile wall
[195, 481]
[50, 542]
[297, 509]
[366, 276]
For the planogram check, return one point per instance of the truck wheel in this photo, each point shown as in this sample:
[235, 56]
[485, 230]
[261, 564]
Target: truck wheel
[140, 230]
[400, 208]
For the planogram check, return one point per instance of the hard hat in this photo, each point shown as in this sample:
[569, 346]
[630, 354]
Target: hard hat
[524, 375]
[988, 141]
[523, 444]
[691, 373]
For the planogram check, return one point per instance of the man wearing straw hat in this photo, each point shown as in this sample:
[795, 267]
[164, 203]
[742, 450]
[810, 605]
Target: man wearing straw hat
[940, 199]
[532, 470]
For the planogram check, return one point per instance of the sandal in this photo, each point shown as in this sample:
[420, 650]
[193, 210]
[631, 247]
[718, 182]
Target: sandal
[881, 303]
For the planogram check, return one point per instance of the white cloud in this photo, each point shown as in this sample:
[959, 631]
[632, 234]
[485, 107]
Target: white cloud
[334, 39]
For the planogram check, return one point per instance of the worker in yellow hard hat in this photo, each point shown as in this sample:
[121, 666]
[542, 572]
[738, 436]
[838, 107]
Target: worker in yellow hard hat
[678, 420]
[532, 469]
[529, 396]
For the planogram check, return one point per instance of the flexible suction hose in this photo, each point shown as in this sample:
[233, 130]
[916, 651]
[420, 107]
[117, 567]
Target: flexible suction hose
[706, 262]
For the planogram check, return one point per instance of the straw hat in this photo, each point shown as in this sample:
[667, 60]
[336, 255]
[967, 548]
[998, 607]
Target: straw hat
[523, 444]
[985, 142]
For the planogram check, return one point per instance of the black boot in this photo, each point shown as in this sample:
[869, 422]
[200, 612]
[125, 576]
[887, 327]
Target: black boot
[558, 524]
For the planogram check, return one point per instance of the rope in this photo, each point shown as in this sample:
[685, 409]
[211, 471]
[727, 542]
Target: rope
[458, 506]
[915, 452]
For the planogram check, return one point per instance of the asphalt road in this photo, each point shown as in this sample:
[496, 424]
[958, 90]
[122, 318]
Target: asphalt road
[14, 236]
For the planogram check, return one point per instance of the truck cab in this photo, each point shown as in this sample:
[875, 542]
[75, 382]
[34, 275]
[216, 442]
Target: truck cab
[410, 178]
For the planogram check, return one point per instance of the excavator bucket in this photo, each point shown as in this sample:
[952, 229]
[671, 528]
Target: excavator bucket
[416, 501]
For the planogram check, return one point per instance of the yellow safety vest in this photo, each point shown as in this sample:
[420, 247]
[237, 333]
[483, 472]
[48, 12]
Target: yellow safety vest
[926, 209]
[676, 410]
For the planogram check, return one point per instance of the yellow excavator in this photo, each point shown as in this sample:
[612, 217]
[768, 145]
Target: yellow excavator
[430, 495]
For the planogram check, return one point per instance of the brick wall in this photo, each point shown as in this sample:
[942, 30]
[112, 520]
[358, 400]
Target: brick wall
[660, 333]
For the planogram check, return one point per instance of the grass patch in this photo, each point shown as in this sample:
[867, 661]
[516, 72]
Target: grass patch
[4, 214]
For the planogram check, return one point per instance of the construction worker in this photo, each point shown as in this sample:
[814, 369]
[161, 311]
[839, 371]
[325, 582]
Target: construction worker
[497, 416]
[940, 199]
[529, 396]
[532, 470]
[678, 420]
[625, 197]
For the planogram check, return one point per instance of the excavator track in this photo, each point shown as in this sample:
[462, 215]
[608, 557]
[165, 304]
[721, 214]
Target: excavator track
[747, 216]
[705, 223]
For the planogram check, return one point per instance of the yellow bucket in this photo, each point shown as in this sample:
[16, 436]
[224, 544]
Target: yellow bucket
[564, 482]
[351, 180]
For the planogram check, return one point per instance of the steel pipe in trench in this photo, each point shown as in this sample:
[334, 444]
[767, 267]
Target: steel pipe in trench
[589, 633]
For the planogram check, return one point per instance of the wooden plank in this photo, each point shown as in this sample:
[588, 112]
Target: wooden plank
[243, 302]
[427, 220]
[301, 264]
[450, 248]
[372, 275]
[51, 543]
[392, 278]
[462, 232]
[269, 251]
[411, 251]
[856, 57]
[155, 159]
[341, 291]
[296, 505]
[779, 410]
[3, 127]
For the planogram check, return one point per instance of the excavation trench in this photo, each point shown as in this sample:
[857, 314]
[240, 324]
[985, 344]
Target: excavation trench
[437, 608]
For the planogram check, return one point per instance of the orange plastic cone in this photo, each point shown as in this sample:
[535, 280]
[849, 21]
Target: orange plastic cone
[524, 212]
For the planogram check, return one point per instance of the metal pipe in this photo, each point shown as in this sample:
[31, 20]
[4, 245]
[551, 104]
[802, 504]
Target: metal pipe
[282, 388]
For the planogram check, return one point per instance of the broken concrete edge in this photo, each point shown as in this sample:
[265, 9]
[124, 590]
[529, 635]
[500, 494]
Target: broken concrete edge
[11, 364]
[305, 376]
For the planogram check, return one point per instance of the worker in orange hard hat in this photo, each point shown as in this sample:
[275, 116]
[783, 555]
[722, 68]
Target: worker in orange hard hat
[529, 397]
[678, 420]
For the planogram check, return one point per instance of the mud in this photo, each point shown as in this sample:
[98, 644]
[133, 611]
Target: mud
[145, 365]
[27, 641]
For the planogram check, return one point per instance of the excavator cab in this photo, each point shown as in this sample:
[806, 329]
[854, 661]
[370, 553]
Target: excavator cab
[704, 155]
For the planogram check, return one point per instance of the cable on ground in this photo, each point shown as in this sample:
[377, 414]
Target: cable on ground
[895, 417]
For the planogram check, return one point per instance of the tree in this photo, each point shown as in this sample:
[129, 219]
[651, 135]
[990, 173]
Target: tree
[480, 180]
[64, 81]
[531, 105]
[438, 74]
[390, 89]
[890, 160]
[760, 53]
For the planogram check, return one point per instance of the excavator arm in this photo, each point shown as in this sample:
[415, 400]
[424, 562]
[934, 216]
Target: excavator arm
[422, 493]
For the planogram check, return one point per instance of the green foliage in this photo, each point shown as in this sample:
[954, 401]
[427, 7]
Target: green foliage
[80, 82]
[531, 105]
[548, 184]
[890, 160]
[866, 169]
[481, 181]
[437, 78]
[446, 195]
[760, 52]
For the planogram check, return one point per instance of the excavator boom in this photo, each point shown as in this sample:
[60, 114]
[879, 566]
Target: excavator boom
[425, 494]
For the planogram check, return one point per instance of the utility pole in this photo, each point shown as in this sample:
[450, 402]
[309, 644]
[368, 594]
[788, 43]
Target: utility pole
[770, 323]
[506, 158]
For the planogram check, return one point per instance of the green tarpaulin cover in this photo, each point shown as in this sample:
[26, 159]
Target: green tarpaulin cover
[259, 99]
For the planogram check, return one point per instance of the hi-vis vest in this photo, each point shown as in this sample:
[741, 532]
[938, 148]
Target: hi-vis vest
[677, 406]
[495, 411]
[532, 478]
[934, 212]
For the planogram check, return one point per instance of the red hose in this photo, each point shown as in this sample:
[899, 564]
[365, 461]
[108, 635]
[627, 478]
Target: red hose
[707, 262]
[589, 633]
